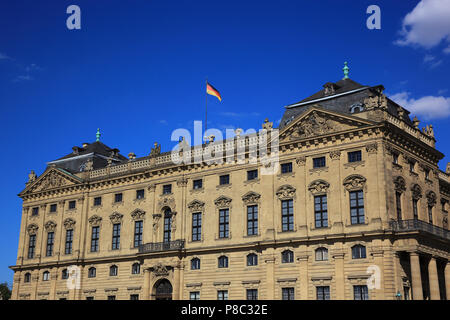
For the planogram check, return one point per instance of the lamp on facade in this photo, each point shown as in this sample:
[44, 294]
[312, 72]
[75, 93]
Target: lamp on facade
[398, 295]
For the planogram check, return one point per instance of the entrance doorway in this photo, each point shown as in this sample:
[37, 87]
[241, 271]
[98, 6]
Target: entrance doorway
[162, 290]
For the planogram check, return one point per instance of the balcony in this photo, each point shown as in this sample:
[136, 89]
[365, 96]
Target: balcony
[161, 246]
[418, 225]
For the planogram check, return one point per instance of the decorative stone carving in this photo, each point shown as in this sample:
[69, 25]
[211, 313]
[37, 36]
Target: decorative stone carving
[318, 186]
[32, 229]
[160, 270]
[431, 198]
[222, 202]
[50, 226]
[89, 165]
[151, 187]
[312, 125]
[156, 217]
[182, 182]
[285, 192]
[69, 223]
[335, 154]
[372, 147]
[416, 191]
[32, 176]
[51, 180]
[354, 181]
[301, 161]
[267, 125]
[251, 197]
[138, 214]
[116, 217]
[196, 205]
[95, 220]
[156, 150]
[400, 184]
[166, 202]
[376, 100]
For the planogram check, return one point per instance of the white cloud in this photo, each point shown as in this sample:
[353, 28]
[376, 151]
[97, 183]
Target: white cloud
[427, 25]
[431, 61]
[428, 107]
[3, 56]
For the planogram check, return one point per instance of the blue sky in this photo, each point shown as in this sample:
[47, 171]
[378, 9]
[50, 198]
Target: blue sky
[137, 71]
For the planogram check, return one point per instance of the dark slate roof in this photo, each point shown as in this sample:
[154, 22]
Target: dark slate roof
[96, 147]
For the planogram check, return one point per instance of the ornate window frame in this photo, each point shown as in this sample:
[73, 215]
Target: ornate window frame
[196, 206]
[223, 202]
[286, 192]
[250, 198]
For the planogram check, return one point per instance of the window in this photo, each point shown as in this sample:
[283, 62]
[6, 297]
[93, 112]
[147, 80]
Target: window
[69, 240]
[140, 194]
[89, 298]
[287, 215]
[113, 271]
[53, 208]
[98, 201]
[194, 295]
[395, 158]
[111, 297]
[357, 207]
[323, 293]
[252, 259]
[415, 210]
[223, 262]
[430, 214]
[35, 211]
[319, 162]
[167, 189]
[321, 254]
[252, 174]
[92, 272]
[72, 204]
[136, 268]
[198, 184]
[398, 202]
[287, 293]
[225, 179]
[50, 242]
[354, 156]
[222, 295]
[134, 297]
[65, 274]
[27, 277]
[360, 293]
[358, 252]
[195, 264]
[95, 238]
[224, 223]
[197, 226]
[167, 225]
[46, 276]
[427, 174]
[252, 220]
[287, 256]
[321, 211]
[411, 166]
[31, 246]
[286, 167]
[252, 294]
[138, 230]
[116, 237]
[118, 197]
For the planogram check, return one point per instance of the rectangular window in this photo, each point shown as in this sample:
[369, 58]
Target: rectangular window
[252, 174]
[415, 211]
[69, 240]
[95, 238]
[398, 202]
[194, 295]
[167, 189]
[167, 227]
[140, 194]
[319, 162]
[31, 246]
[134, 297]
[286, 167]
[287, 215]
[35, 211]
[225, 179]
[360, 293]
[395, 158]
[98, 201]
[50, 242]
[111, 297]
[427, 174]
[53, 207]
[321, 211]
[89, 298]
[354, 156]
[252, 294]
[116, 236]
[138, 230]
[197, 226]
[72, 204]
[222, 295]
[198, 184]
[118, 197]
[323, 293]
[252, 220]
[224, 223]
[287, 293]
[411, 166]
[430, 214]
[357, 207]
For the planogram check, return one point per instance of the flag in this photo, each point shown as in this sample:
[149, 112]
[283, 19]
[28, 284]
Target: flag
[213, 91]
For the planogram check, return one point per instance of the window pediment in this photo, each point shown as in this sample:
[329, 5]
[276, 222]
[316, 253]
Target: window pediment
[285, 192]
[196, 205]
[354, 182]
[318, 186]
[222, 202]
[251, 197]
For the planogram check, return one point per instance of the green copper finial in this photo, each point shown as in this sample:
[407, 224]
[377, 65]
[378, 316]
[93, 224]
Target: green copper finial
[98, 134]
[345, 68]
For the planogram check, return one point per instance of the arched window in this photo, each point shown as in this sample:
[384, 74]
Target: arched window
[92, 272]
[195, 264]
[136, 268]
[46, 276]
[358, 252]
[65, 274]
[321, 254]
[113, 270]
[27, 277]
[287, 256]
[252, 259]
[223, 262]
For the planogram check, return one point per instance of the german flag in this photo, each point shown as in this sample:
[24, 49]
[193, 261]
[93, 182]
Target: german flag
[213, 91]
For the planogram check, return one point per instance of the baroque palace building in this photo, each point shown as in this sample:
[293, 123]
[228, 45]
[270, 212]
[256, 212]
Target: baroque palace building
[357, 210]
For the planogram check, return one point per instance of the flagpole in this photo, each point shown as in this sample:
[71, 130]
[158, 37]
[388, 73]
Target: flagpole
[206, 104]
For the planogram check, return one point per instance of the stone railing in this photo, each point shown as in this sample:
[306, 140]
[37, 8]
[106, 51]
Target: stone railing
[161, 246]
[418, 225]
[412, 131]
[443, 176]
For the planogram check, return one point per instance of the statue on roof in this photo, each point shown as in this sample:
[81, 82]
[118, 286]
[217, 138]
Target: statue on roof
[156, 150]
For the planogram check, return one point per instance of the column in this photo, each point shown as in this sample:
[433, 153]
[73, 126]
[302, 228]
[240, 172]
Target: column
[339, 273]
[176, 282]
[303, 270]
[447, 279]
[379, 262]
[270, 275]
[398, 282]
[54, 279]
[416, 278]
[146, 287]
[433, 279]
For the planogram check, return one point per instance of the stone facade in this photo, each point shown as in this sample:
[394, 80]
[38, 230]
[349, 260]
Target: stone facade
[397, 173]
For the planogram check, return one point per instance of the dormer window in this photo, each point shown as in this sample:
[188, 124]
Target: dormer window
[356, 107]
[329, 88]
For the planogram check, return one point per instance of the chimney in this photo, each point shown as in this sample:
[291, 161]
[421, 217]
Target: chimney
[330, 88]
[75, 150]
